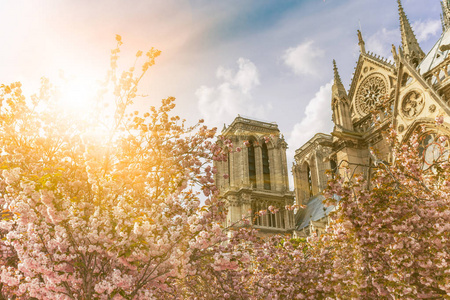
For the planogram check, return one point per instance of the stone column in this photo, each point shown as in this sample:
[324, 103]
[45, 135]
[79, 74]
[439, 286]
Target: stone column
[245, 166]
[274, 168]
[284, 172]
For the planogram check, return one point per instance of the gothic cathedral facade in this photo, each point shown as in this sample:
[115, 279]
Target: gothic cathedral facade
[409, 93]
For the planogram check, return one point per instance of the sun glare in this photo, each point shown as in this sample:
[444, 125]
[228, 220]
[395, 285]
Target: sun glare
[77, 93]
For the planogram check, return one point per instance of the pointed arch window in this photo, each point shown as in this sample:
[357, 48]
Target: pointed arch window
[432, 149]
[251, 165]
[266, 167]
[308, 171]
[333, 167]
[337, 113]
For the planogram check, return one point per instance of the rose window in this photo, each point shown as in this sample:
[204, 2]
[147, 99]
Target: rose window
[370, 94]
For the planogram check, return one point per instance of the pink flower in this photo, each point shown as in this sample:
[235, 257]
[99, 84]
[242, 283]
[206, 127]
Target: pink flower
[273, 209]
[439, 119]
[262, 212]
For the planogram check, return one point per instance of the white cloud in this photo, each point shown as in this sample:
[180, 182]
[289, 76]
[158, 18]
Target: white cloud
[304, 59]
[380, 42]
[232, 96]
[245, 79]
[317, 119]
[426, 29]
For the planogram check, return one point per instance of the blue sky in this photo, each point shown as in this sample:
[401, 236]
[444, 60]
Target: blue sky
[266, 59]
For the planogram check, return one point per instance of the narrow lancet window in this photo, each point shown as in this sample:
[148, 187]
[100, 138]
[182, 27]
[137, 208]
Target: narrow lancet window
[308, 170]
[251, 165]
[266, 169]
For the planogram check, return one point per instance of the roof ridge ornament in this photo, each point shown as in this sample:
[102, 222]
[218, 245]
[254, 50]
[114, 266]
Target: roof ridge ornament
[394, 54]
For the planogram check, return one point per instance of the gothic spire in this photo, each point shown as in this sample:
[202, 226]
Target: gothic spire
[362, 45]
[411, 47]
[338, 88]
[445, 16]
[339, 103]
[442, 22]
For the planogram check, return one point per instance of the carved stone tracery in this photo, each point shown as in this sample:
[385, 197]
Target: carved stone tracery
[412, 104]
[432, 108]
[370, 93]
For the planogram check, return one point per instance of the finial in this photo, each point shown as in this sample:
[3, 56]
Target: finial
[338, 88]
[337, 78]
[362, 45]
[400, 6]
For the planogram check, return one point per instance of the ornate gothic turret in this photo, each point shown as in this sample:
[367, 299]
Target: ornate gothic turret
[340, 103]
[411, 48]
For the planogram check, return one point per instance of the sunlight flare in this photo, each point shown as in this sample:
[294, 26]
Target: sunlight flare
[77, 93]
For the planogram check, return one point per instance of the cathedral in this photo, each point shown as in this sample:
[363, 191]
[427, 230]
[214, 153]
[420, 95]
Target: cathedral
[408, 93]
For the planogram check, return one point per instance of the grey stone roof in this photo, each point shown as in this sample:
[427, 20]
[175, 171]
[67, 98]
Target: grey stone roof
[435, 56]
[246, 124]
[315, 210]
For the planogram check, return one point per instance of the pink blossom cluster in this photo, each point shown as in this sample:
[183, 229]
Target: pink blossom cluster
[131, 211]
[110, 216]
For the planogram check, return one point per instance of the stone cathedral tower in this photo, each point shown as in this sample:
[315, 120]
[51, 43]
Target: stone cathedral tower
[256, 177]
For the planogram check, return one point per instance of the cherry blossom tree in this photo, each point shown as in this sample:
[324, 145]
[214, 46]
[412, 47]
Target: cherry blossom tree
[388, 238]
[397, 226]
[99, 208]
[102, 212]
